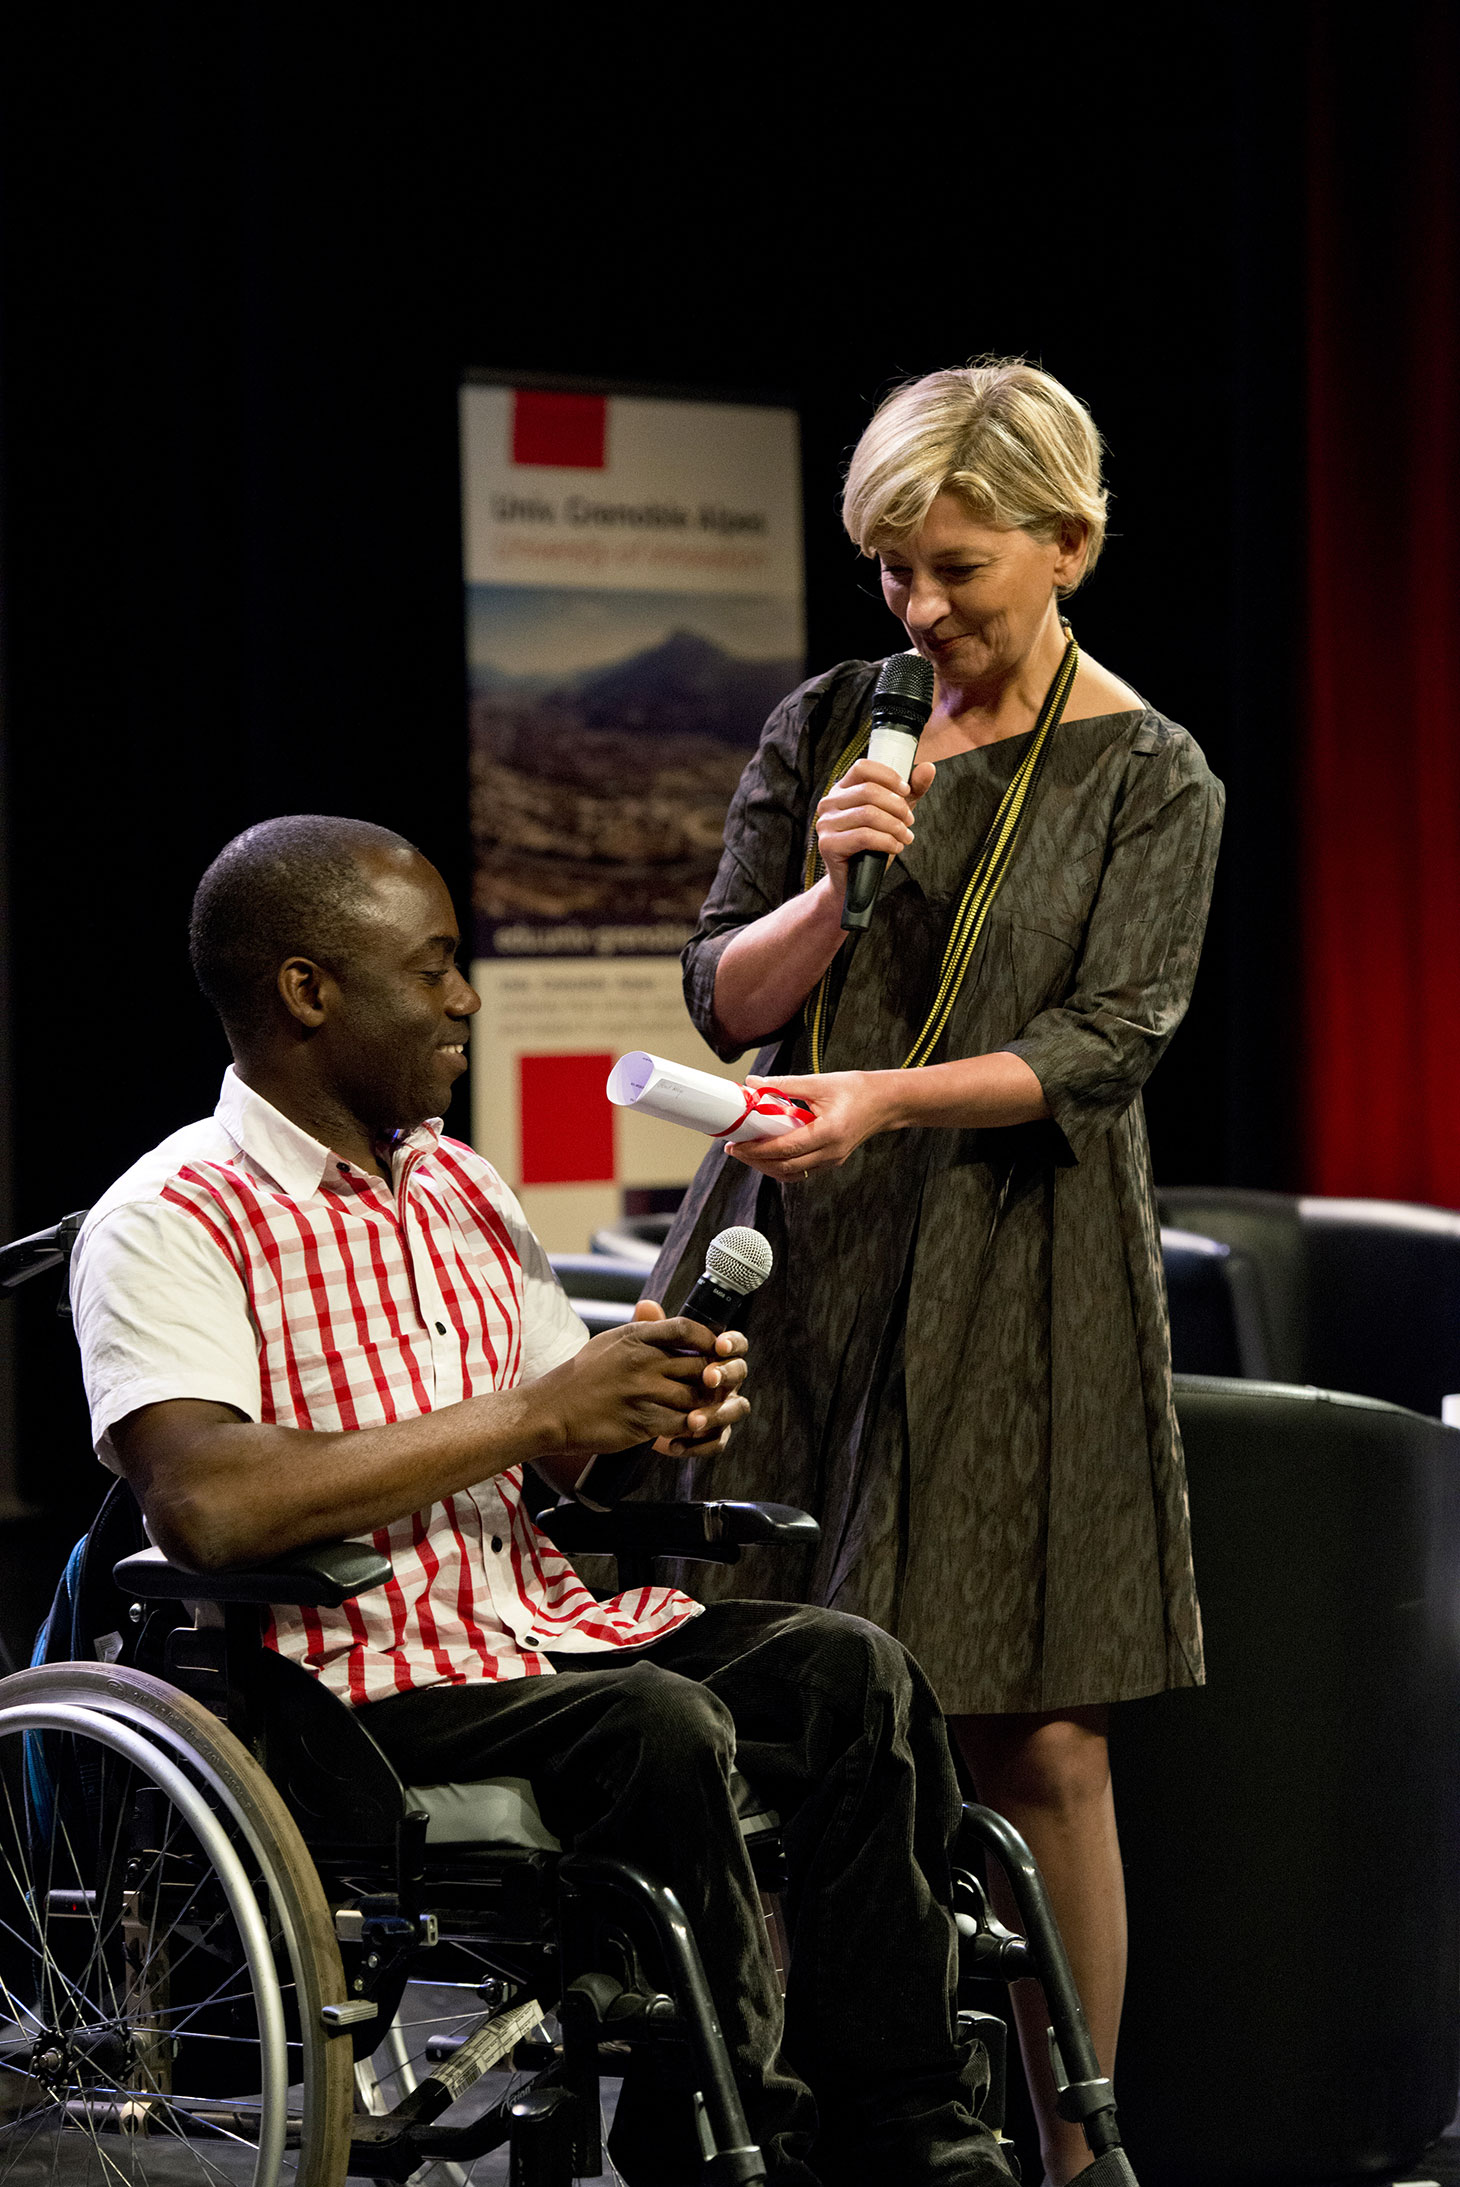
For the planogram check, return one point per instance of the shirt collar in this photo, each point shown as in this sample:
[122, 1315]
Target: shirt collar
[284, 1150]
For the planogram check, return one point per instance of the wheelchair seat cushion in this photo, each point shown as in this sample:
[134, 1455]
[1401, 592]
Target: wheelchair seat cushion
[503, 1811]
[498, 1811]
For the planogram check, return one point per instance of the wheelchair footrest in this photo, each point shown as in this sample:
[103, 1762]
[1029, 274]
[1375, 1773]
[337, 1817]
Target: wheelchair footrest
[384, 2149]
[487, 2045]
[398, 2143]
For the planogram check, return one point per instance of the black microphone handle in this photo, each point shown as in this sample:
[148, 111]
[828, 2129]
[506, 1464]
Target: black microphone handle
[712, 1305]
[618, 1471]
[864, 878]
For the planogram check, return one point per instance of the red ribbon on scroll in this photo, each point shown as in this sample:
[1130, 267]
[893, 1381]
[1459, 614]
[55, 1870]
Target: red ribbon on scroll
[765, 1101]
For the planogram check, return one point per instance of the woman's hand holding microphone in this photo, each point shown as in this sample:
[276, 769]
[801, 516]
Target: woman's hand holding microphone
[771, 966]
[869, 809]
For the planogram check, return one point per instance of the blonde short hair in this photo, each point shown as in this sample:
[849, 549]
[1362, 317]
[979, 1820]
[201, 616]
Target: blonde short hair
[1016, 448]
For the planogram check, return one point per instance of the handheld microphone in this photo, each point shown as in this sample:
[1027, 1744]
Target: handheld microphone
[901, 705]
[737, 1262]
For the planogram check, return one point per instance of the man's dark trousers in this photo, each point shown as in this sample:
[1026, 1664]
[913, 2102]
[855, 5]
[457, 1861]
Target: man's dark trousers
[836, 1728]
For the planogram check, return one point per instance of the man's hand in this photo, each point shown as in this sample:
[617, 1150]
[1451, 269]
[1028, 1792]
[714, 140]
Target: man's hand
[720, 1381]
[653, 1380]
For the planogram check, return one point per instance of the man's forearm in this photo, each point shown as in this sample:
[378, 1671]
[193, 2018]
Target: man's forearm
[219, 1491]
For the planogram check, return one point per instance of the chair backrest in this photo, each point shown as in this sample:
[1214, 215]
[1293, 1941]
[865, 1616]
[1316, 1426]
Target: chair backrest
[602, 1290]
[635, 1238]
[599, 1276]
[1290, 1833]
[1217, 1323]
[89, 1618]
[1359, 1295]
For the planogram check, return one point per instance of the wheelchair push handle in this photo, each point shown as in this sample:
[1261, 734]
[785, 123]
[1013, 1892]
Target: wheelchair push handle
[42, 1251]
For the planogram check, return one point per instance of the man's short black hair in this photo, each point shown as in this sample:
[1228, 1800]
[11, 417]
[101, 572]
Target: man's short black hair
[292, 887]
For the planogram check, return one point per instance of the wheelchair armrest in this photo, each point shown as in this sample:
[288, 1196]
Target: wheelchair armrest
[711, 1533]
[311, 1579]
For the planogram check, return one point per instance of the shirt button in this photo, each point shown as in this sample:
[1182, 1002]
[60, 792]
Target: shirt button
[497, 1544]
[440, 1328]
[530, 1640]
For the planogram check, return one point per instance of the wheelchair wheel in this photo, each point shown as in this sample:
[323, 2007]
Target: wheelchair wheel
[166, 1951]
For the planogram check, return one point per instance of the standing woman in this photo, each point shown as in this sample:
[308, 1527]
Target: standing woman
[963, 1361]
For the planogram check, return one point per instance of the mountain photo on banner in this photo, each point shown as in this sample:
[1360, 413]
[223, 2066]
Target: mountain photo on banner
[634, 588]
[608, 732]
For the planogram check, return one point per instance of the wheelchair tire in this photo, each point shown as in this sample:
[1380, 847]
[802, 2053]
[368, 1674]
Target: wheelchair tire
[210, 1759]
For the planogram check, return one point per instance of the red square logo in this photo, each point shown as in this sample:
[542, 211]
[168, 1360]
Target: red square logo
[559, 432]
[567, 1120]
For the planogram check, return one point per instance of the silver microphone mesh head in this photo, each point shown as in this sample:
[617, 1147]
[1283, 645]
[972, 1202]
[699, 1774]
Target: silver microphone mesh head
[739, 1259]
[906, 675]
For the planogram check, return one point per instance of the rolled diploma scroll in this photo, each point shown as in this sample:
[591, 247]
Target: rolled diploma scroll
[678, 1094]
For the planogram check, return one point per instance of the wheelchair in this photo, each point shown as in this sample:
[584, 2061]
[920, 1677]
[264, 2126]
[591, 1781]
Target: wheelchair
[221, 1909]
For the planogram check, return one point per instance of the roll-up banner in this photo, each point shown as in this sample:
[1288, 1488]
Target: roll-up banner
[634, 611]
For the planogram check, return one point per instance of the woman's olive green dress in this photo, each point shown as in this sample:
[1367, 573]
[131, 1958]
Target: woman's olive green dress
[961, 1363]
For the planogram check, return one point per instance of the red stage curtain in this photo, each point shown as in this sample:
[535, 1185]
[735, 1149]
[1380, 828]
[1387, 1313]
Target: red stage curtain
[1381, 777]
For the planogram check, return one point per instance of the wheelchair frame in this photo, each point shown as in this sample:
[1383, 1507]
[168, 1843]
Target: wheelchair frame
[359, 1895]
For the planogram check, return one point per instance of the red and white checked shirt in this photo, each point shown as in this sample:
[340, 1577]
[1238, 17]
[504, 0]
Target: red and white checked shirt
[243, 1262]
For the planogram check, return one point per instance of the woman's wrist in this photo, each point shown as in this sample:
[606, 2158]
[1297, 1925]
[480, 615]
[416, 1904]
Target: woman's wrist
[974, 1092]
[828, 896]
[894, 1096]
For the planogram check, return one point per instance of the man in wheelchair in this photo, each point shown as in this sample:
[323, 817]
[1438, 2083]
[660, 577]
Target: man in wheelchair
[312, 1315]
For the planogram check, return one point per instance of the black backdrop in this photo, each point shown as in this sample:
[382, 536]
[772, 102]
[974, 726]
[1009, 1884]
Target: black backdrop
[244, 261]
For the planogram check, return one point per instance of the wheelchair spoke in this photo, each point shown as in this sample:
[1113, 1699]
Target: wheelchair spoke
[57, 2114]
[104, 1898]
[101, 1900]
[21, 2143]
[165, 1950]
[195, 2150]
[7, 2164]
[191, 2010]
[176, 1962]
[150, 1887]
[22, 2012]
[77, 2111]
[40, 1952]
[464, 2011]
[26, 1893]
[107, 2162]
[206, 2035]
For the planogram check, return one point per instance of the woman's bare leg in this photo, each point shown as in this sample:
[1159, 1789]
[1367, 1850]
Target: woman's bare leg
[1050, 1777]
